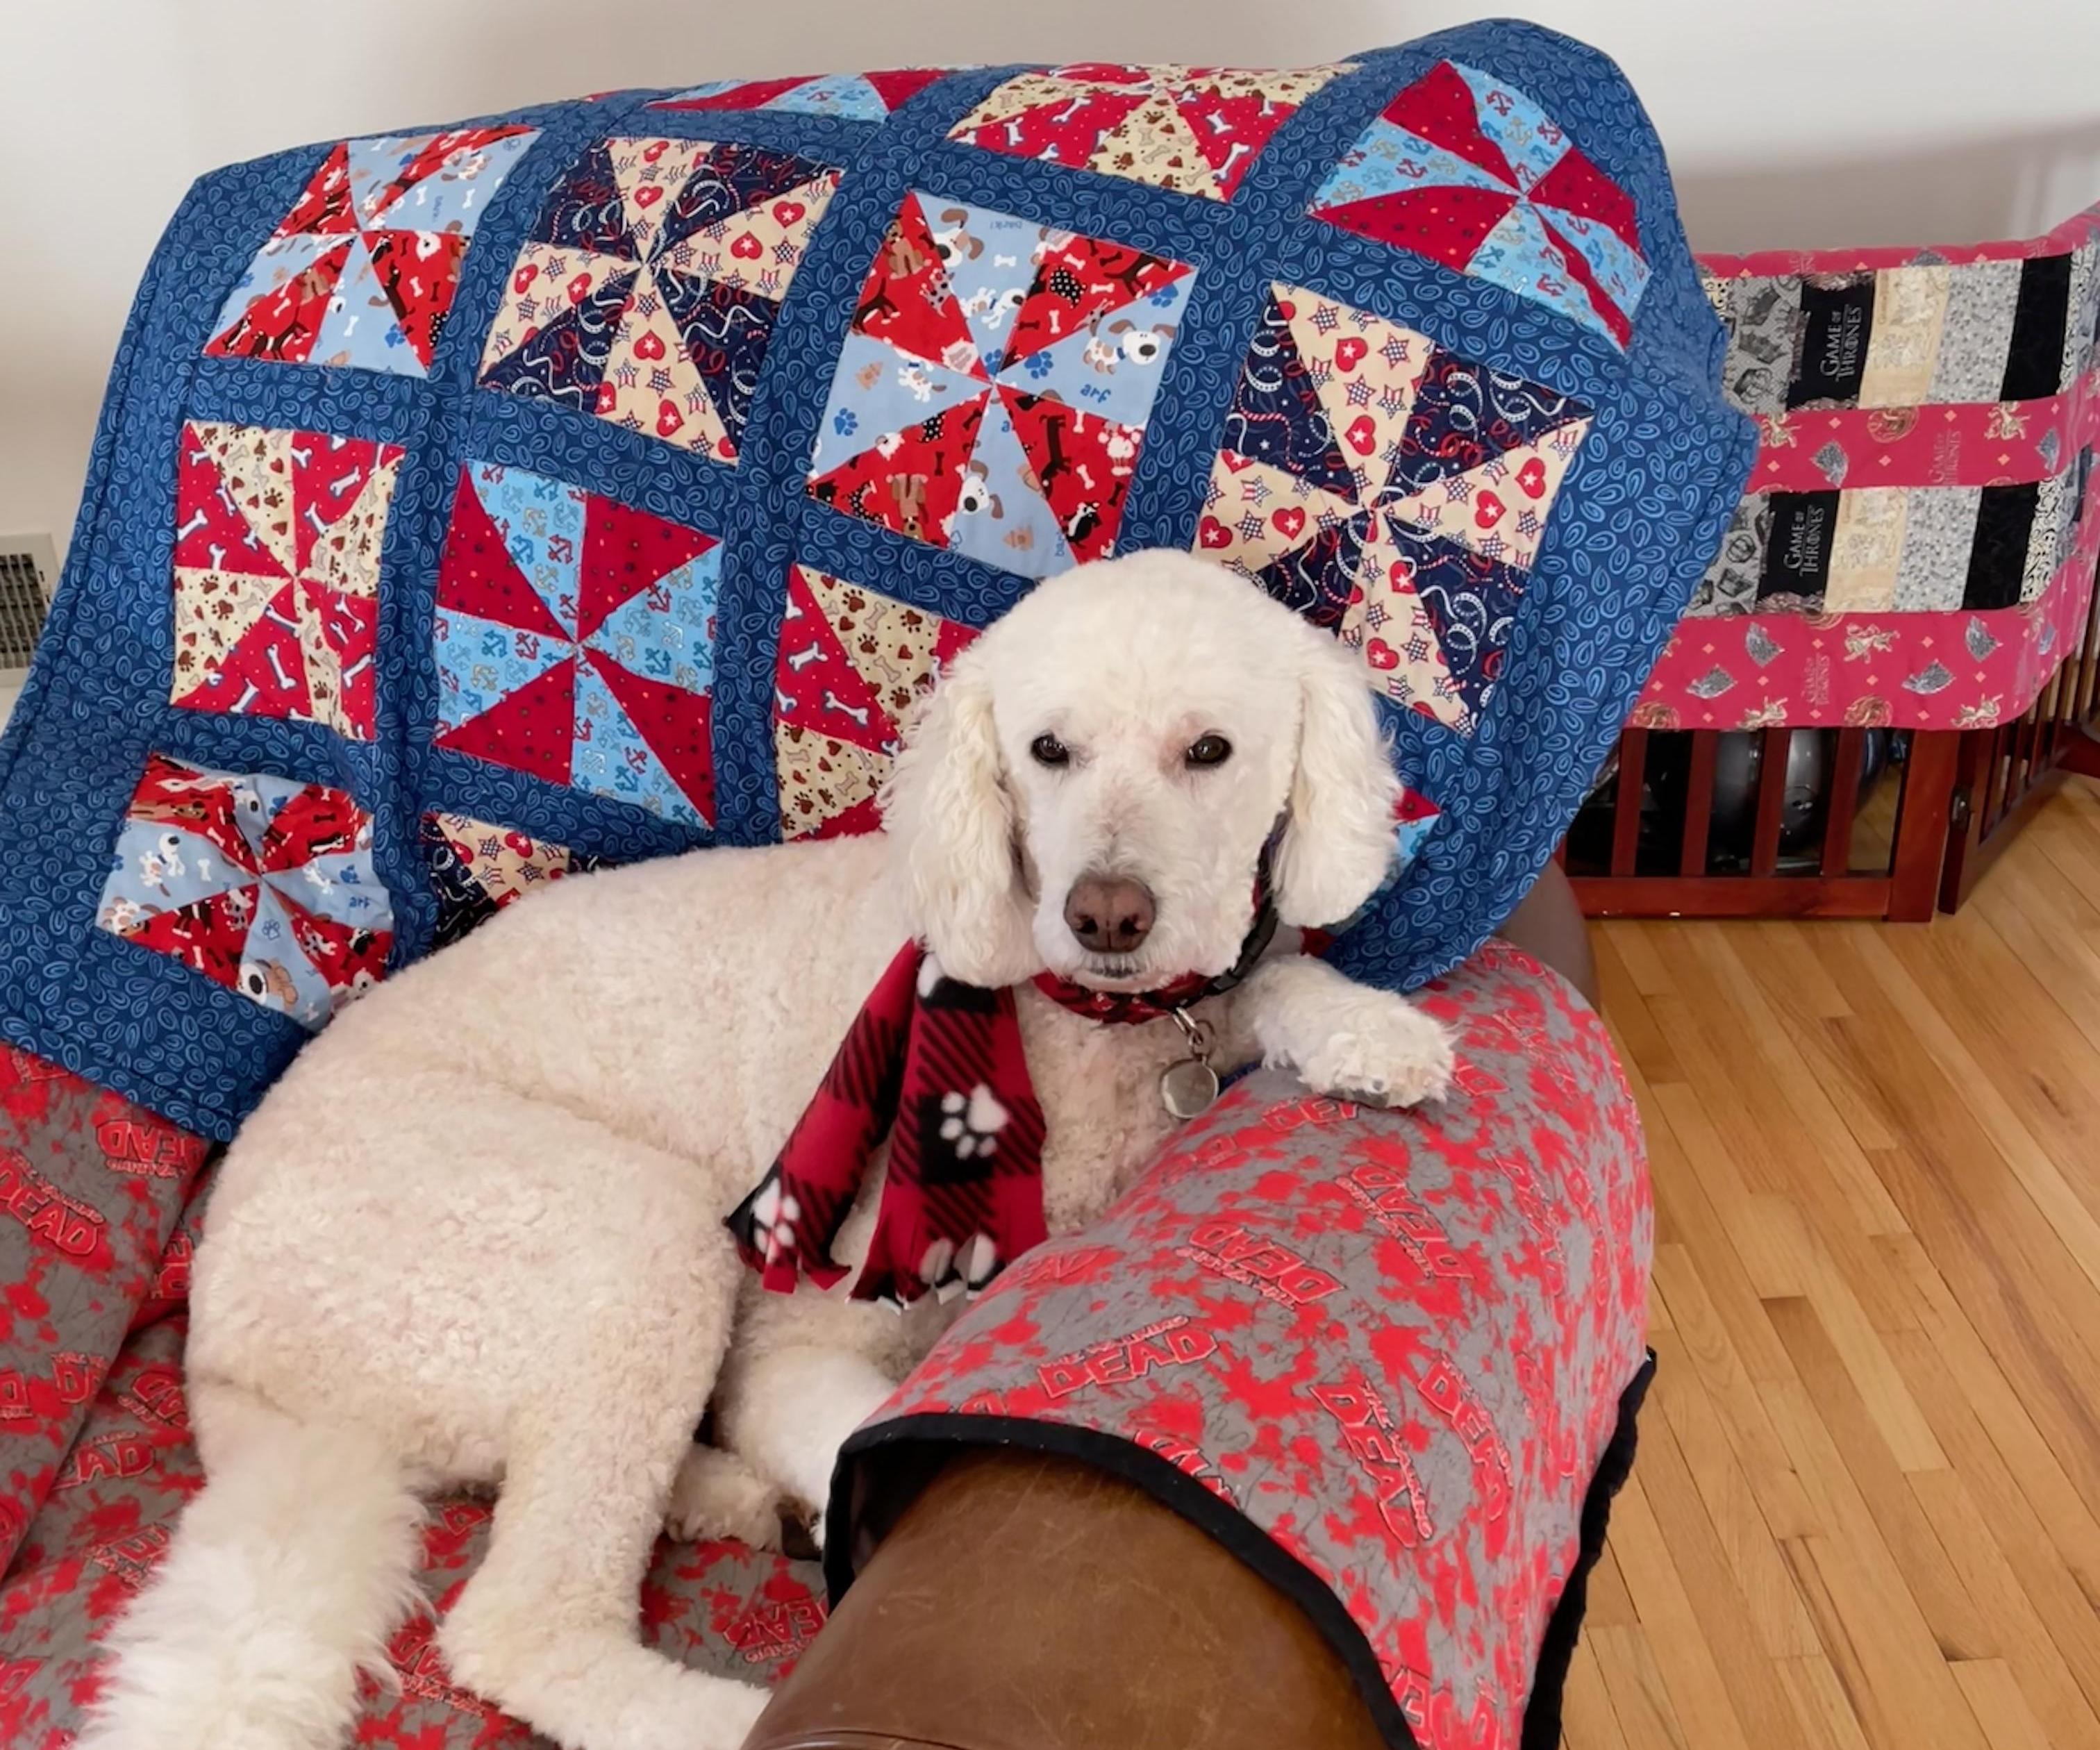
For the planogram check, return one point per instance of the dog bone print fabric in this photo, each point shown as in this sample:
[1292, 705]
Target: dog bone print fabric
[609, 477]
[277, 573]
[1387, 1356]
[851, 664]
[362, 270]
[1197, 131]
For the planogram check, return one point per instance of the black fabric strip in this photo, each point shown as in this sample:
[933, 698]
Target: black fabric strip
[2034, 363]
[1998, 555]
[905, 1452]
[1549, 1680]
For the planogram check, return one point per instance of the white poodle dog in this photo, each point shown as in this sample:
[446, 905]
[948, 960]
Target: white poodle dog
[474, 1235]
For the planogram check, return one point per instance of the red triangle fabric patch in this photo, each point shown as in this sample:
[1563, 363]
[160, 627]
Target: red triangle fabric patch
[625, 550]
[819, 691]
[897, 84]
[906, 299]
[208, 936]
[678, 726]
[1576, 186]
[914, 489]
[284, 323]
[324, 205]
[531, 730]
[1084, 486]
[317, 821]
[209, 532]
[477, 575]
[1075, 285]
[419, 271]
[1440, 106]
[1447, 224]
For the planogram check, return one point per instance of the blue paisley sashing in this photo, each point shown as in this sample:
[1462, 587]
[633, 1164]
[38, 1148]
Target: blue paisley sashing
[667, 472]
[648, 290]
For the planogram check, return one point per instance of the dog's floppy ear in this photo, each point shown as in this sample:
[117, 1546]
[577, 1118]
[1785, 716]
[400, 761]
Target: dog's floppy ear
[1338, 839]
[950, 818]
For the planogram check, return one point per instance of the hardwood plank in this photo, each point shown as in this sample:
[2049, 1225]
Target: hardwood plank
[2000, 1704]
[1866, 1512]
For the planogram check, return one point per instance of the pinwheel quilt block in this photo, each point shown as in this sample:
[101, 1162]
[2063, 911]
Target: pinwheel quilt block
[276, 573]
[362, 270]
[1390, 491]
[1464, 169]
[574, 639]
[992, 393]
[260, 883]
[648, 288]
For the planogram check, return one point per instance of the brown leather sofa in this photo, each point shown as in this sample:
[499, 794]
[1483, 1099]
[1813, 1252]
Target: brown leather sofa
[1024, 1601]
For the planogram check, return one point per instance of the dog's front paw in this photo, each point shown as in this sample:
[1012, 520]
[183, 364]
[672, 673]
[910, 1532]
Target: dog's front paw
[717, 1495]
[1381, 1050]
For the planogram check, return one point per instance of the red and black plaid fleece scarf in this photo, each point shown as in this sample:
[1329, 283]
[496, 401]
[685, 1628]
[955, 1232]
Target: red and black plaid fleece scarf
[938, 1067]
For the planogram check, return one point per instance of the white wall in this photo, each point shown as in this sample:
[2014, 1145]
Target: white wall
[1789, 122]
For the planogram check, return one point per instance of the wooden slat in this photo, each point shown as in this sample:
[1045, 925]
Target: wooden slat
[1699, 802]
[1997, 785]
[1860, 896]
[1771, 800]
[1844, 802]
[1626, 811]
[1920, 847]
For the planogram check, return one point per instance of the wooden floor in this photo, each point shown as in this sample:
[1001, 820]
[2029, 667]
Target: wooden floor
[1867, 1506]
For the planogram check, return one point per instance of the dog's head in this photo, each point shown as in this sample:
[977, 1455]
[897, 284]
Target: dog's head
[1089, 788]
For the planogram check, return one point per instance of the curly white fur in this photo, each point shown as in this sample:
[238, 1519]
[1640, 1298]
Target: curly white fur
[474, 1235]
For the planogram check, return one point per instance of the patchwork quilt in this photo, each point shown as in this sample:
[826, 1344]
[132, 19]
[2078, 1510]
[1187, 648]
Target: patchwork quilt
[1918, 545]
[477, 504]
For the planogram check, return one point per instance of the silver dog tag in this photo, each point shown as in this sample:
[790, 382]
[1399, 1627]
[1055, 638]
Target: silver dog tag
[1187, 1088]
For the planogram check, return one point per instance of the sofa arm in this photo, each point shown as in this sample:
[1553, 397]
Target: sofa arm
[1024, 1602]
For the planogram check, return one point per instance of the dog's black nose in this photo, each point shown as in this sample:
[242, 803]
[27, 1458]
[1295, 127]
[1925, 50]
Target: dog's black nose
[1109, 914]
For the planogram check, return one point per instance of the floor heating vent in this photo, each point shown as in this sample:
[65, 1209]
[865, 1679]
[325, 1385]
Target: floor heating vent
[28, 572]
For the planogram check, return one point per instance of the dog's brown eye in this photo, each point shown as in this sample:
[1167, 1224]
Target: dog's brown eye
[1209, 750]
[1046, 750]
